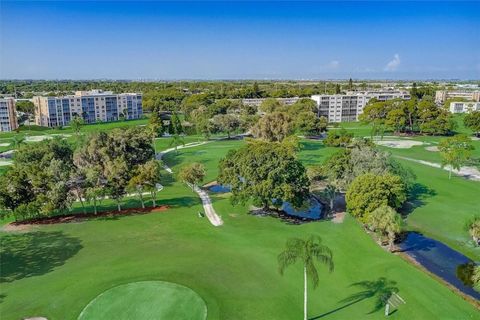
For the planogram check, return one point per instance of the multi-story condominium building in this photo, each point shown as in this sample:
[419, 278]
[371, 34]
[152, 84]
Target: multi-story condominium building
[8, 114]
[442, 95]
[256, 102]
[93, 106]
[347, 107]
[464, 107]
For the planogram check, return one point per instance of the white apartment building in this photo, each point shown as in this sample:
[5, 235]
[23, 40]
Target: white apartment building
[464, 107]
[347, 107]
[256, 102]
[93, 106]
[442, 95]
[8, 115]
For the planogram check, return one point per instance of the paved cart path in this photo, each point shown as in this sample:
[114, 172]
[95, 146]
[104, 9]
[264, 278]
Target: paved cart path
[212, 216]
[470, 173]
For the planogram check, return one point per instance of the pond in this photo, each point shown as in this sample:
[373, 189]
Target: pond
[441, 260]
[218, 188]
[311, 210]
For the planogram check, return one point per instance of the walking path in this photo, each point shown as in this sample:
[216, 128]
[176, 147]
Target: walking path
[160, 154]
[470, 173]
[207, 206]
[206, 202]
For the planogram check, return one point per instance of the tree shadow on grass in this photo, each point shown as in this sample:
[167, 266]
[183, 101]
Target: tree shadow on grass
[185, 201]
[380, 290]
[31, 254]
[416, 198]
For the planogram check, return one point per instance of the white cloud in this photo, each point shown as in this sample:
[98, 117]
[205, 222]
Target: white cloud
[334, 64]
[393, 64]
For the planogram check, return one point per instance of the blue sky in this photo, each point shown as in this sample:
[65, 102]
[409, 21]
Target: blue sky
[254, 40]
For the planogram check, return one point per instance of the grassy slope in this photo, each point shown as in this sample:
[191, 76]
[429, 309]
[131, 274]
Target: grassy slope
[232, 267]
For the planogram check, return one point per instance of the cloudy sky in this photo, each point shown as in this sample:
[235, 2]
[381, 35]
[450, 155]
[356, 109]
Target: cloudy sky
[218, 40]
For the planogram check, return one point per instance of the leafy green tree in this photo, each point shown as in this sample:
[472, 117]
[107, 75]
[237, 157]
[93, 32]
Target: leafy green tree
[15, 190]
[273, 127]
[192, 174]
[473, 228]
[476, 278]
[116, 174]
[338, 138]
[177, 140]
[434, 120]
[146, 178]
[307, 123]
[220, 106]
[308, 252]
[455, 151]
[25, 106]
[302, 105]
[77, 123]
[472, 121]
[155, 127]
[78, 186]
[369, 191]
[227, 123]
[264, 171]
[387, 223]
[95, 185]
[270, 105]
[375, 113]
[38, 182]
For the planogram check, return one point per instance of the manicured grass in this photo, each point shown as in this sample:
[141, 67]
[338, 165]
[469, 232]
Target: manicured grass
[443, 207]
[208, 154]
[146, 300]
[56, 270]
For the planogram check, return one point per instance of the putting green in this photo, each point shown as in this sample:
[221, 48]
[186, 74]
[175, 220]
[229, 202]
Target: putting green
[146, 300]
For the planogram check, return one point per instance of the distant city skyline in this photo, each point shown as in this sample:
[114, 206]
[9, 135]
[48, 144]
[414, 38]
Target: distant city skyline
[249, 40]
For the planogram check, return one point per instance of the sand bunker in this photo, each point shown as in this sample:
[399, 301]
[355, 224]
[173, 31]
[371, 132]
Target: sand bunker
[432, 148]
[398, 144]
[44, 137]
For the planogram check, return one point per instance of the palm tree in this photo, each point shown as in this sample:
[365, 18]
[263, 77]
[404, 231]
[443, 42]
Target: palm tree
[308, 251]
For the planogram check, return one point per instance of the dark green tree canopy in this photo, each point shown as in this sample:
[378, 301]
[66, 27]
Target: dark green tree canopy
[264, 171]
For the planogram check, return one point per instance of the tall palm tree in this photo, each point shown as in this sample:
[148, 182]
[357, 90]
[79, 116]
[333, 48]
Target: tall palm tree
[308, 252]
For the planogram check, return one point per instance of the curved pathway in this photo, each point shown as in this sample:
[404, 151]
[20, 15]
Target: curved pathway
[469, 173]
[206, 201]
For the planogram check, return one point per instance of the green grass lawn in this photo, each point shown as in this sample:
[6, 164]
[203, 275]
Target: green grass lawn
[146, 300]
[56, 270]
[444, 206]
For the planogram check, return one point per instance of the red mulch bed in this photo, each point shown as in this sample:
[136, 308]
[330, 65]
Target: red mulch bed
[82, 216]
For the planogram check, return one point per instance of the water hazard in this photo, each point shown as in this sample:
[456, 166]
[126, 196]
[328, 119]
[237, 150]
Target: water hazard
[441, 260]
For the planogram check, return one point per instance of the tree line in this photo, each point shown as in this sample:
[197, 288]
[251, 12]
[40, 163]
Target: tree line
[408, 116]
[48, 177]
